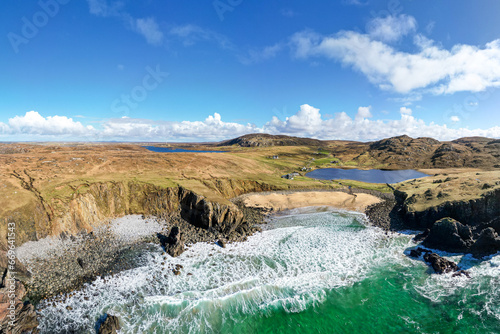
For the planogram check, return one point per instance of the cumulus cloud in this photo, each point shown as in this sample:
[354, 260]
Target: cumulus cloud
[307, 122]
[364, 112]
[391, 28]
[430, 69]
[212, 128]
[4, 129]
[405, 111]
[342, 126]
[32, 123]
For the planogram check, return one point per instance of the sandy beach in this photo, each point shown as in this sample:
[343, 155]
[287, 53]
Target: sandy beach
[336, 199]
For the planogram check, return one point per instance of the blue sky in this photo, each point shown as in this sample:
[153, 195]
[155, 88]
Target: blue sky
[211, 70]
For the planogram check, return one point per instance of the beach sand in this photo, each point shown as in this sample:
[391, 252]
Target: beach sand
[336, 199]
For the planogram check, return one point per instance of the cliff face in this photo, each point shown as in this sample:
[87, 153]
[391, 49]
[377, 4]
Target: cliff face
[471, 212]
[105, 200]
[209, 215]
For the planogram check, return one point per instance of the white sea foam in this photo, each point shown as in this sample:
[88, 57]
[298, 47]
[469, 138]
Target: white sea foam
[127, 229]
[480, 292]
[290, 267]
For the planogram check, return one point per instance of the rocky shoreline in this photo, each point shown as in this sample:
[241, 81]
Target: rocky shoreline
[101, 253]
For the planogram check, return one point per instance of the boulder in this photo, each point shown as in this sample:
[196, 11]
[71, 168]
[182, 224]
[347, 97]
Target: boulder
[440, 264]
[487, 243]
[416, 253]
[495, 223]
[213, 216]
[421, 236]
[449, 235]
[174, 243]
[110, 325]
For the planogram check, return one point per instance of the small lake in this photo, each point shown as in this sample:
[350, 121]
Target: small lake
[370, 175]
[176, 150]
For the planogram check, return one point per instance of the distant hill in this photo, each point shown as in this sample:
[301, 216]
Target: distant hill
[264, 139]
[395, 152]
[431, 153]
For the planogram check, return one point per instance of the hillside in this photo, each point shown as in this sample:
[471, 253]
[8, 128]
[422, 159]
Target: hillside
[265, 140]
[45, 186]
[394, 153]
[404, 151]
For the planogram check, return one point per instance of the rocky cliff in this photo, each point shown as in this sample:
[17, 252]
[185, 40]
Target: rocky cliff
[100, 201]
[470, 212]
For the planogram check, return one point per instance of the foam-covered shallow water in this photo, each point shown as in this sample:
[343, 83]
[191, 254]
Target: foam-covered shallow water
[306, 273]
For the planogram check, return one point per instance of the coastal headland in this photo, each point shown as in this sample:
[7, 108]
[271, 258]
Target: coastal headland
[71, 192]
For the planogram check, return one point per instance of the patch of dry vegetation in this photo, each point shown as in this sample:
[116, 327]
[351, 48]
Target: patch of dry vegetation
[446, 187]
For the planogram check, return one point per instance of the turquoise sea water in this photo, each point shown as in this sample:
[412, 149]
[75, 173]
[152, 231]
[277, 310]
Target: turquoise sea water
[323, 272]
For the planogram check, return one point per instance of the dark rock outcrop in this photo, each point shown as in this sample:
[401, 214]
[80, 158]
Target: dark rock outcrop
[174, 243]
[471, 212]
[440, 264]
[487, 243]
[421, 236]
[416, 253]
[110, 325]
[209, 215]
[449, 235]
[494, 223]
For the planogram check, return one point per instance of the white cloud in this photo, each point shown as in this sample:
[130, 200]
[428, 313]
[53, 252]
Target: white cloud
[364, 112]
[150, 30]
[431, 69]
[391, 28]
[212, 128]
[307, 122]
[4, 129]
[405, 111]
[341, 126]
[32, 123]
